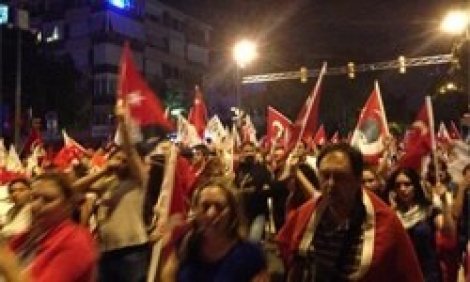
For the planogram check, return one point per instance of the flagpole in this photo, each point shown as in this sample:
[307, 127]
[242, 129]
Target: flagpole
[433, 136]
[309, 106]
[164, 203]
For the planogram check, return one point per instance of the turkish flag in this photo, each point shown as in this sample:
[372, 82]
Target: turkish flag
[371, 128]
[307, 119]
[279, 129]
[198, 113]
[418, 141]
[454, 132]
[443, 135]
[320, 136]
[144, 106]
[335, 138]
[71, 151]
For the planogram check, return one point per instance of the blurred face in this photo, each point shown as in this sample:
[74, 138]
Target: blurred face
[369, 181]
[248, 153]
[48, 201]
[19, 193]
[213, 211]
[198, 157]
[300, 149]
[338, 183]
[278, 154]
[404, 189]
[164, 147]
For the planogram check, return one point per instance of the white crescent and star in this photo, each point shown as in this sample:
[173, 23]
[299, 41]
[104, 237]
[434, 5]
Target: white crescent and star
[135, 98]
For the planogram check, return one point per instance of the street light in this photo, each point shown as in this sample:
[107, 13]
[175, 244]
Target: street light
[244, 52]
[457, 22]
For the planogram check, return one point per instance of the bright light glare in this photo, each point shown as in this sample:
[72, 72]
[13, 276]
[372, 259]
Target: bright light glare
[244, 52]
[455, 22]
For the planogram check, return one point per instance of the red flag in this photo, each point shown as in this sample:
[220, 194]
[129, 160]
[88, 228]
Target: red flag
[335, 138]
[71, 151]
[279, 128]
[198, 113]
[34, 138]
[454, 132]
[307, 120]
[418, 141]
[144, 106]
[443, 135]
[320, 136]
[371, 128]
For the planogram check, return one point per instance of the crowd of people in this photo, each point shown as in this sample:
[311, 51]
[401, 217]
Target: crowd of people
[331, 216]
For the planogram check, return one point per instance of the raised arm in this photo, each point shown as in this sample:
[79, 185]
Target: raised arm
[136, 165]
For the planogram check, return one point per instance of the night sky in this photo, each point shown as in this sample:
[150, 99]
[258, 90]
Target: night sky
[294, 33]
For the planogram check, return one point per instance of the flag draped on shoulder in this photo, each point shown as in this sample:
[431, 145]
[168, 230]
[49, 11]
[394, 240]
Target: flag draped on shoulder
[144, 106]
[279, 129]
[307, 119]
[418, 139]
[371, 128]
[198, 112]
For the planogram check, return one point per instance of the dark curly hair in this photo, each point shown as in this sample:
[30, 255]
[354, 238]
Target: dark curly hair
[420, 196]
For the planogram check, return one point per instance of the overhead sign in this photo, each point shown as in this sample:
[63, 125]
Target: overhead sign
[3, 14]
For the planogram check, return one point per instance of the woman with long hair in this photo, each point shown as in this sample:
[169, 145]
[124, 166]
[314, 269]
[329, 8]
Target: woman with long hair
[419, 217]
[214, 248]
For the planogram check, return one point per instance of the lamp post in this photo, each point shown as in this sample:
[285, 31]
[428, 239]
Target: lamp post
[456, 23]
[244, 52]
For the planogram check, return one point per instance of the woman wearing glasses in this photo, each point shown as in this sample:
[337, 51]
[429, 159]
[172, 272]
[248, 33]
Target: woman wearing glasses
[419, 217]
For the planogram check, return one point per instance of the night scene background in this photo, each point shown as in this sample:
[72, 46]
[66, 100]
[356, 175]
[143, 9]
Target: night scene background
[289, 34]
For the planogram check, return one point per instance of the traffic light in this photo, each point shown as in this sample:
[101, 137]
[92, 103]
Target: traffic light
[351, 70]
[401, 64]
[303, 74]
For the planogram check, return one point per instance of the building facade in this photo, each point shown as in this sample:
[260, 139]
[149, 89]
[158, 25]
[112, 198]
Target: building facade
[170, 48]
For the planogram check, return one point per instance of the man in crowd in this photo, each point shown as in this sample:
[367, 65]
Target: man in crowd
[253, 179]
[347, 233]
[122, 233]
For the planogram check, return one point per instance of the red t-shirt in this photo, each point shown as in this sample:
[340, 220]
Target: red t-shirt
[66, 253]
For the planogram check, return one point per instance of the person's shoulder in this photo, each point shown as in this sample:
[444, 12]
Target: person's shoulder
[249, 252]
[78, 236]
[248, 247]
